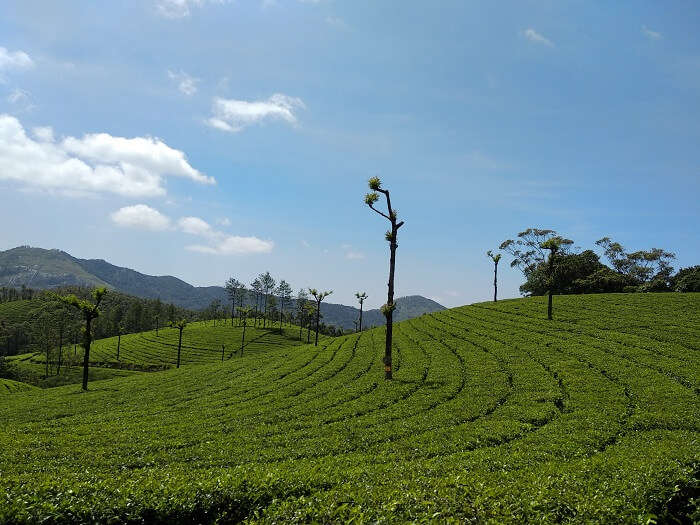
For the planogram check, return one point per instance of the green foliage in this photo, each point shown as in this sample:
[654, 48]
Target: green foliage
[495, 258]
[374, 184]
[687, 280]
[494, 416]
[371, 198]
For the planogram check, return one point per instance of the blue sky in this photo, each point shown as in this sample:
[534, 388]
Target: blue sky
[206, 138]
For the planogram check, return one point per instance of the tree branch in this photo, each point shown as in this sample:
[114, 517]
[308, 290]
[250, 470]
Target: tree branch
[380, 213]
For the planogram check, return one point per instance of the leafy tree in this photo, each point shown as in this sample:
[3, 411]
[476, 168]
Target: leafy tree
[284, 292]
[268, 285]
[157, 317]
[687, 280]
[319, 296]
[180, 325]
[310, 315]
[527, 251]
[301, 301]
[391, 236]
[89, 311]
[643, 265]
[361, 299]
[256, 292]
[552, 244]
[495, 258]
[234, 289]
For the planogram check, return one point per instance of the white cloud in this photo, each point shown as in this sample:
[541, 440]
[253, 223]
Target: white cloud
[653, 35]
[234, 115]
[96, 163]
[142, 217]
[220, 243]
[21, 99]
[181, 8]
[14, 60]
[534, 36]
[354, 255]
[185, 83]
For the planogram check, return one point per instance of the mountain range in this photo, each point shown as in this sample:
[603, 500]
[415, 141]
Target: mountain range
[40, 268]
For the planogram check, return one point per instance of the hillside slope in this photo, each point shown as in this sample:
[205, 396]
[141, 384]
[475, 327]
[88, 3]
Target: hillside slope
[52, 268]
[495, 414]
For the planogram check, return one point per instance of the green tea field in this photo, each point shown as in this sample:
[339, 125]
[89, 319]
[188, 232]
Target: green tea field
[495, 415]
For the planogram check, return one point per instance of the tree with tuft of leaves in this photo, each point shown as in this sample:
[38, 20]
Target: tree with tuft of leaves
[391, 235]
[495, 258]
[89, 311]
[180, 325]
[553, 244]
[361, 299]
[319, 296]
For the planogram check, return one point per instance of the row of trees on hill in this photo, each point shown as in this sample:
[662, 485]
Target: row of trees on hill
[552, 265]
[44, 324]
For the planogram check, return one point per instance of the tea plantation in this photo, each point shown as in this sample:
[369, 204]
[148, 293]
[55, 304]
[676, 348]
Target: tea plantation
[494, 415]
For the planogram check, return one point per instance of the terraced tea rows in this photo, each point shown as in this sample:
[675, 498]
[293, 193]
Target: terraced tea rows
[201, 343]
[494, 414]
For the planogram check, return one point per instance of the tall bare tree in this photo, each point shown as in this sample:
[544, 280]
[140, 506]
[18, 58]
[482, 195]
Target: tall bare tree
[361, 299]
[495, 258]
[319, 296]
[243, 314]
[90, 311]
[180, 325]
[391, 236]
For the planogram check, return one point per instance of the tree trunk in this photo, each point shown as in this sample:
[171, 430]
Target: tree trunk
[549, 305]
[361, 305]
[86, 357]
[119, 343]
[265, 311]
[243, 338]
[318, 320]
[301, 327]
[390, 304]
[222, 349]
[495, 281]
[179, 345]
[60, 350]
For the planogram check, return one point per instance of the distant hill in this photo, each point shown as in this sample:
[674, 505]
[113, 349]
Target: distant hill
[40, 268]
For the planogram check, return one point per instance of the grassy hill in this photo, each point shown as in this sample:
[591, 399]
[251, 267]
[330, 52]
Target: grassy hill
[495, 414]
[53, 268]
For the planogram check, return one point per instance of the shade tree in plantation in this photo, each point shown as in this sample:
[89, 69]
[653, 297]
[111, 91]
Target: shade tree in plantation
[302, 300]
[235, 290]
[360, 299]
[244, 312]
[527, 250]
[89, 311]
[495, 258]
[553, 245]
[268, 286]
[391, 236]
[180, 325]
[284, 292]
[120, 331]
[318, 296]
[256, 293]
[649, 268]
